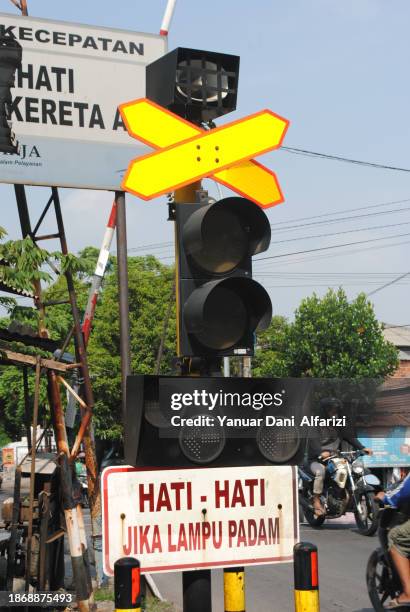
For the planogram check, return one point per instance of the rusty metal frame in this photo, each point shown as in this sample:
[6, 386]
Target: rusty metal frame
[83, 435]
[81, 357]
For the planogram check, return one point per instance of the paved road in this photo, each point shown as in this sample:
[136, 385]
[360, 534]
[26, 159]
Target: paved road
[343, 554]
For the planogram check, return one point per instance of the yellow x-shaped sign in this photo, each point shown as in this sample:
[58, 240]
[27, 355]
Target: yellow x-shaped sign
[188, 153]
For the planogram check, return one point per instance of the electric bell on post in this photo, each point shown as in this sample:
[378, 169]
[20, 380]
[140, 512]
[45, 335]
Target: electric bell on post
[10, 60]
[196, 85]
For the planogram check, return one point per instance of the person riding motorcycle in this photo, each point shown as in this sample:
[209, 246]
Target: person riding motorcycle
[399, 539]
[325, 441]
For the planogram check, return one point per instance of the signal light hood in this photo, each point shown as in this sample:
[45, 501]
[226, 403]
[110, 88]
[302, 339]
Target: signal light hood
[247, 230]
[220, 314]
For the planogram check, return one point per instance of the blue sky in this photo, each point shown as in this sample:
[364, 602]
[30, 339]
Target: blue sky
[338, 70]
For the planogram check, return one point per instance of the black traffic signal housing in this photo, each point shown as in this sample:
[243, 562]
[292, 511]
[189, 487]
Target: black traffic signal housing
[151, 440]
[10, 59]
[194, 84]
[220, 306]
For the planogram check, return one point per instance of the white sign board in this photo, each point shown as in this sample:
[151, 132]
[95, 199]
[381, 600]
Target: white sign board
[66, 96]
[188, 519]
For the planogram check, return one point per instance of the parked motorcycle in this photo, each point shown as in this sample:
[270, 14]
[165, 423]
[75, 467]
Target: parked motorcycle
[383, 582]
[348, 487]
[84, 490]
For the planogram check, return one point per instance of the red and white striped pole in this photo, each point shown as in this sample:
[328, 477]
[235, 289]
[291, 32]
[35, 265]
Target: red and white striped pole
[166, 20]
[99, 274]
[96, 283]
[71, 410]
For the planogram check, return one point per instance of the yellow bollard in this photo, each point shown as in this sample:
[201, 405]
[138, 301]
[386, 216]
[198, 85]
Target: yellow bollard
[306, 601]
[234, 589]
[127, 585]
[305, 565]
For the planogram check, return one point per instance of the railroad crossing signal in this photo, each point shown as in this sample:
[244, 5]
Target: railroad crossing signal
[188, 153]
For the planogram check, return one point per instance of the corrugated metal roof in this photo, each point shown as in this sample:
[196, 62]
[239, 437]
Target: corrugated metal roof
[399, 336]
[7, 285]
[46, 344]
[4, 286]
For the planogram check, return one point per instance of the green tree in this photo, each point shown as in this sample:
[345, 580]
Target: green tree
[271, 357]
[334, 338]
[150, 291]
[21, 264]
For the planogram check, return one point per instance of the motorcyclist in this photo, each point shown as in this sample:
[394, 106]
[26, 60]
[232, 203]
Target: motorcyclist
[325, 441]
[399, 539]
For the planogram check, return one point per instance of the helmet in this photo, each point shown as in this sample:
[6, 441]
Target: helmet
[330, 403]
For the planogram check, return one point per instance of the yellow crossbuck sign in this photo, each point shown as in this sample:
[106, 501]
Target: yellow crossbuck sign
[187, 153]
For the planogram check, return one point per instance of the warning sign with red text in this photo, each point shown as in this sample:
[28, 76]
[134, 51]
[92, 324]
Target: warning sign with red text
[187, 519]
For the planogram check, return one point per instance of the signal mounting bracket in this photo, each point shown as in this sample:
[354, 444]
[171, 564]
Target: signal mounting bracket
[202, 197]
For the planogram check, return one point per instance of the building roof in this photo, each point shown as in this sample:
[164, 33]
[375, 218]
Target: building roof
[7, 285]
[399, 336]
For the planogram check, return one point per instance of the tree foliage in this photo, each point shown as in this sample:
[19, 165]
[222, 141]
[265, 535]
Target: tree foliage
[271, 357]
[329, 338]
[150, 290]
[22, 262]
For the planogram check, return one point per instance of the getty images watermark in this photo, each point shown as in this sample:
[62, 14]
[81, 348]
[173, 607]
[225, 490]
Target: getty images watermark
[257, 401]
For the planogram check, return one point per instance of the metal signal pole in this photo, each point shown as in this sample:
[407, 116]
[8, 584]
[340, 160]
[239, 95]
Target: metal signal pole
[196, 585]
[122, 267]
[234, 577]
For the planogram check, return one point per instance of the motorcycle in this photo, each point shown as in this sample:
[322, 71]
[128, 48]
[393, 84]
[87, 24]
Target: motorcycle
[383, 582]
[82, 479]
[348, 487]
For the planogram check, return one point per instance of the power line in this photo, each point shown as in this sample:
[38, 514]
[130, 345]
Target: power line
[365, 229]
[387, 284]
[361, 229]
[310, 286]
[162, 245]
[348, 218]
[345, 210]
[155, 245]
[326, 273]
[319, 257]
[328, 256]
[334, 246]
[363, 278]
[339, 158]
[296, 239]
